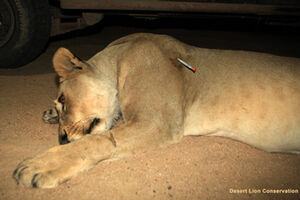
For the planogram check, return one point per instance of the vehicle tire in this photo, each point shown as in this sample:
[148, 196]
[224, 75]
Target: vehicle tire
[24, 30]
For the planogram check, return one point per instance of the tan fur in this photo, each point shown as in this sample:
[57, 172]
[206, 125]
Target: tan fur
[246, 96]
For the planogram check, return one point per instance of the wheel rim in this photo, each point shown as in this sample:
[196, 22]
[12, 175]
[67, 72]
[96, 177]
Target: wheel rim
[7, 22]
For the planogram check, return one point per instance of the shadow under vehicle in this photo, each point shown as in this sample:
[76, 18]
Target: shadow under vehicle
[26, 25]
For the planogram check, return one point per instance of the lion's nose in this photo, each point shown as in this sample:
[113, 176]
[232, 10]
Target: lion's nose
[63, 138]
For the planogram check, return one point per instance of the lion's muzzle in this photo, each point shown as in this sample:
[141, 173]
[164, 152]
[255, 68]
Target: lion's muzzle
[68, 134]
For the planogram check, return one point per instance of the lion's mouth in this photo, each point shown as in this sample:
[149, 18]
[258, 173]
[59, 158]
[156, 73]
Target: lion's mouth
[76, 131]
[92, 125]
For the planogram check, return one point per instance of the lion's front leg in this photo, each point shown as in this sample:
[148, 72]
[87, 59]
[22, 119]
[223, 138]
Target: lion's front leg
[60, 163]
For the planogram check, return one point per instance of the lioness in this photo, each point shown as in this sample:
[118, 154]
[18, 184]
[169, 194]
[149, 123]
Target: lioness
[250, 97]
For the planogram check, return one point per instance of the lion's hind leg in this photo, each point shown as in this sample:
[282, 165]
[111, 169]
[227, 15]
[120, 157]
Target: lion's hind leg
[50, 116]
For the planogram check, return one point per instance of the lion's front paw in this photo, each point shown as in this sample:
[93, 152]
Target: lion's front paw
[46, 171]
[35, 173]
[32, 175]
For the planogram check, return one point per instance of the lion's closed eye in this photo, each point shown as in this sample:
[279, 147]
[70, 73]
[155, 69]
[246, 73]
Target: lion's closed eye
[61, 99]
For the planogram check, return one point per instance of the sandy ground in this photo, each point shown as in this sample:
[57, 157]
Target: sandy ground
[196, 168]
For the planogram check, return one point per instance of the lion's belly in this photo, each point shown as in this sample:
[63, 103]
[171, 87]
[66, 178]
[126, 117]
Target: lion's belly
[266, 117]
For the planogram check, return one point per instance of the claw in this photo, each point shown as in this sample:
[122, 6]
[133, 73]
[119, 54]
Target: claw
[34, 181]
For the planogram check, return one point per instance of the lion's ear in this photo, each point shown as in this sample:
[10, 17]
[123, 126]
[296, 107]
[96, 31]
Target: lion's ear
[66, 64]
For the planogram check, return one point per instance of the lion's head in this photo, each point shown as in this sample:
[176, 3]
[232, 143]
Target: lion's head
[87, 100]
